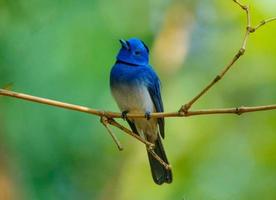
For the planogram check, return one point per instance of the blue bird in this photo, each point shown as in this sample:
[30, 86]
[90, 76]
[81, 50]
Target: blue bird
[136, 88]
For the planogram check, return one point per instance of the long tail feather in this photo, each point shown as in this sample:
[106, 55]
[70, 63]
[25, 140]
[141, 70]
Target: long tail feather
[159, 173]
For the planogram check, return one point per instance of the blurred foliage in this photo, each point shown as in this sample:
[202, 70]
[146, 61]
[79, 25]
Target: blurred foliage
[64, 50]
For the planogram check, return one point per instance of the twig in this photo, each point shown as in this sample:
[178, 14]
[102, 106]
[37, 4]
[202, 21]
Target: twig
[263, 23]
[104, 121]
[57, 103]
[241, 52]
[166, 165]
[149, 145]
[129, 132]
[238, 110]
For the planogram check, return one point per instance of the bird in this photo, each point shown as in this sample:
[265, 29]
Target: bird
[136, 88]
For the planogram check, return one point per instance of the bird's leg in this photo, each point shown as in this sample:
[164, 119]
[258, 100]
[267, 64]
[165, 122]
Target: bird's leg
[148, 115]
[124, 114]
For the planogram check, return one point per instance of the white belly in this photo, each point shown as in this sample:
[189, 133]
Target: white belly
[136, 99]
[133, 98]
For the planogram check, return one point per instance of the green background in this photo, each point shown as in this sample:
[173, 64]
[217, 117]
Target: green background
[64, 50]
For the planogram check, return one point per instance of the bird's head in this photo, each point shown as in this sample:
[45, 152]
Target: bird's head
[133, 51]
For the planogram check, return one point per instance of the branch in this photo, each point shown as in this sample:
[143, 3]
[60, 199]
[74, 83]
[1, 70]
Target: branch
[129, 132]
[109, 116]
[248, 31]
[106, 116]
[105, 123]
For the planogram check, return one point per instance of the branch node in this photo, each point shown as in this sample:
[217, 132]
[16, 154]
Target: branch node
[245, 7]
[240, 53]
[183, 111]
[218, 77]
[250, 29]
[239, 110]
[263, 22]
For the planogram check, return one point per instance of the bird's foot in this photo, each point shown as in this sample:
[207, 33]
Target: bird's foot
[147, 115]
[124, 114]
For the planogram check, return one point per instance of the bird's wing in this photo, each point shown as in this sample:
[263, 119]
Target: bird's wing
[154, 88]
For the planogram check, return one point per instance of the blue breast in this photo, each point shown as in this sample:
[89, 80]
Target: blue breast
[129, 75]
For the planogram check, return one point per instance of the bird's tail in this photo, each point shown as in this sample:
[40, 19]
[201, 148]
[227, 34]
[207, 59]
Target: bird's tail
[159, 173]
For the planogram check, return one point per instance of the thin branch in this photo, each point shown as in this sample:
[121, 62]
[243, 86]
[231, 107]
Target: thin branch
[104, 121]
[57, 103]
[129, 132]
[111, 115]
[238, 2]
[241, 52]
[150, 146]
[263, 23]
[166, 165]
[238, 110]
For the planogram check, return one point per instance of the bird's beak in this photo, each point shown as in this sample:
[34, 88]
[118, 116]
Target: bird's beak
[124, 44]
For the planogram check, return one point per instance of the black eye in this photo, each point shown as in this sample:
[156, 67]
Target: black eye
[137, 53]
